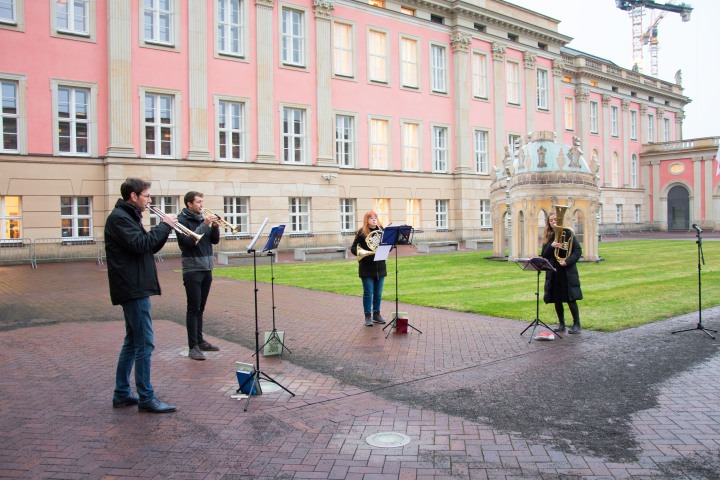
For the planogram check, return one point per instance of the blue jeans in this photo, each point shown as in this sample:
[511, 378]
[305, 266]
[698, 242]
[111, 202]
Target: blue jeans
[197, 289]
[372, 293]
[136, 349]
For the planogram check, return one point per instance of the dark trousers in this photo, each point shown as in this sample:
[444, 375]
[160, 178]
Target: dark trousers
[197, 289]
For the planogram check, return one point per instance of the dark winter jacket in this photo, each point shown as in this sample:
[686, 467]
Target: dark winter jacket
[129, 249]
[367, 267]
[196, 258]
[567, 277]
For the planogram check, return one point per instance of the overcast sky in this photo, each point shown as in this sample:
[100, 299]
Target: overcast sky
[599, 28]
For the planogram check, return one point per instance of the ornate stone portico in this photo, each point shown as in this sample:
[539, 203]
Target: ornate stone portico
[524, 190]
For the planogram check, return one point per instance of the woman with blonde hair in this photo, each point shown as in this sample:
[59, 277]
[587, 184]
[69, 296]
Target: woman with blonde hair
[371, 273]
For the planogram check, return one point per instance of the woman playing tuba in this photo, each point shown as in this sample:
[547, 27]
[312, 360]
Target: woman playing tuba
[371, 273]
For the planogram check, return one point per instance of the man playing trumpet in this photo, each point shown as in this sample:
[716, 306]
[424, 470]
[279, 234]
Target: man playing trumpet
[197, 266]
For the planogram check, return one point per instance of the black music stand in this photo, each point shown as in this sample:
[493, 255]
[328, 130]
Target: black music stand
[272, 243]
[255, 376]
[392, 237]
[701, 257]
[538, 264]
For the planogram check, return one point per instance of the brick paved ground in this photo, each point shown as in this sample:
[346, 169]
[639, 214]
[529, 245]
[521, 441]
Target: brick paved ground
[476, 400]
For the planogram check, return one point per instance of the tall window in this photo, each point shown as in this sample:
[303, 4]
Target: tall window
[10, 218]
[72, 16]
[299, 209]
[237, 212]
[411, 146]
[382, 208]
[514, 142]
[438, 68]
[158, 21]
[9, 117]
[638, 216]
[343, 49]
[594, 117]
[379, 146]
[441, 214]
[618, 214]
[159, 125]
[542, 89]
[231, 131]
[412, 212]
[76, 217]
[230, 26]
[293, 37]
[485, 214]
[480, 143]
[614, 120]
[166, 205]
[633, 125]
[73, 122]
[512, 83]
[651, 128]
[440, 149]
[345, 140]
[409, 73]
[377, 56]
[293, 135]
[479, 75]
[634, 171]
[347, 214]
[666, 129]
[569, 113]
[615, 170]
[8, 11]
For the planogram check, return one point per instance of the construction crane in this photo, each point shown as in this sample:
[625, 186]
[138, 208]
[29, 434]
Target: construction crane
[650, 36]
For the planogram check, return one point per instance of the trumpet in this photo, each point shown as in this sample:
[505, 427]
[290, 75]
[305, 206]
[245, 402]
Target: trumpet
[221, 221]
[178, 227]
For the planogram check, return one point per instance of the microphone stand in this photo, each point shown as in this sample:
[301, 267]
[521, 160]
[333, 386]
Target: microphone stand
[701, 257]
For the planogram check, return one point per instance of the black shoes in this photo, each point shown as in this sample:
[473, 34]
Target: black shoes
[575, 328]
[208, 347]
[377, 318]
[368, 320]
[155, 406]
[127, 401]
[559, 328]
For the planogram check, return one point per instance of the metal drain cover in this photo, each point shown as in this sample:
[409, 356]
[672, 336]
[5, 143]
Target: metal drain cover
[388, 439]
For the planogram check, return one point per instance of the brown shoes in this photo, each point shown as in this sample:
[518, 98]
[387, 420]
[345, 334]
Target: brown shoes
[208, 347]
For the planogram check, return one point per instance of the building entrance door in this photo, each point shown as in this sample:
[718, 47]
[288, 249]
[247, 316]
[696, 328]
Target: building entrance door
[678, 213]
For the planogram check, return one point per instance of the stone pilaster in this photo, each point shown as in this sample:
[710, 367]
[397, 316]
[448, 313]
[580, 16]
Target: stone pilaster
[679, 117]
[529, 60]
[557, 71]
[642, 123]
[197, 66]
[498, 54]
[582, 127]
[323, 45]
[656, 200]
[606, 155]
[696, 192]
[625, 109]
[460, 44]
[265, 98]
[660, 117]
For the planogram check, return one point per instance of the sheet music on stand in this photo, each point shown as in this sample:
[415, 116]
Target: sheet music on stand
[257, 235]
[535, 263]
[274, 238]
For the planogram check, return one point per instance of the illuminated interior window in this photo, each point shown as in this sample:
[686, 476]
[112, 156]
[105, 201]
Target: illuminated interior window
[377, 3]
[405, 10]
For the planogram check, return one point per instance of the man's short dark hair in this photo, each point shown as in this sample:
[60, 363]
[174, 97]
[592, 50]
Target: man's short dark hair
[131, 185]
[190, 196]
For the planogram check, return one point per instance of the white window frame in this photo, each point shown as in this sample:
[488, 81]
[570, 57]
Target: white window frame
[166, 204]
[299, 140]
[542, 89]
[380, 145]
[234, 31]
[638, 214]
[485, 221]
[438, 68]
[236, 211]
[221, 103]
[412, 212]
[480, 75]
[569, 113]
[89, 34]
[481, 151]
[175, 126]
[382, 208]
[74, 217]
[633, 124]
[615, 170]
[297, 40]
[91, 122]
[666, 129]
[19, 82]
[440, 147]
[343, 45]
[650, 128]
[409, 63]
[173, 13]
[346, 149]
[378, 61]
[16, 20]
[299, 214]
[514, 141]
[441, 214]
[618, 213]
[614, 120]
[411, 138]
[7, 220]
[347, 214]
[512, 83]
[634, 171]
[594, 117]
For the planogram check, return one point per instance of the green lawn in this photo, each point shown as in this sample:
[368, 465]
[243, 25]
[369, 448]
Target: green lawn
[638, 282]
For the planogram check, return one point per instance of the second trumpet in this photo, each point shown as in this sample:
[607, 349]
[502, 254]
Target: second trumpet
[221, 221]
[180, 228]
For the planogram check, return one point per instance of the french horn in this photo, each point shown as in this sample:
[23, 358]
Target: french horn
[563, 235]
[372, 241]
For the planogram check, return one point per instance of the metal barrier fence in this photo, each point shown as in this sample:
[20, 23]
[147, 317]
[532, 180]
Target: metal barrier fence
[17, 251]
[66, 250]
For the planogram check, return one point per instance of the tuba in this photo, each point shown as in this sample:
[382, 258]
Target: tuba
[373, 241]
[563, 235]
